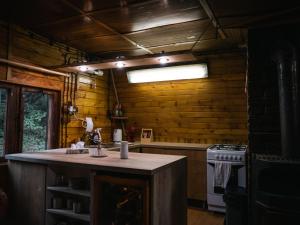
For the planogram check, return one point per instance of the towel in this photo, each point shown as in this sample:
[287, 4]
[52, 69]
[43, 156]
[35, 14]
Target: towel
[222, 174]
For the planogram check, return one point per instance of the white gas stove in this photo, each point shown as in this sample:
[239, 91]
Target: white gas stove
[235, 156]
[226, 152]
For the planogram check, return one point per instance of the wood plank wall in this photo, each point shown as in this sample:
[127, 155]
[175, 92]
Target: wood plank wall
[212, 110]
[92, 102]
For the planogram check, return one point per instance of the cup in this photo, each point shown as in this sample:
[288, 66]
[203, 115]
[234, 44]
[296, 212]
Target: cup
[124, 150]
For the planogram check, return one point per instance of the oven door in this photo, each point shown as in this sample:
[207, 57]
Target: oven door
[238, 173]
[215, 194]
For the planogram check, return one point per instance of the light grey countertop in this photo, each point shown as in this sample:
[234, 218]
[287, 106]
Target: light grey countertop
[137, 163]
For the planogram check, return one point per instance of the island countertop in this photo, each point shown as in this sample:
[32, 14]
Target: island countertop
[174, 145]
[138, 163]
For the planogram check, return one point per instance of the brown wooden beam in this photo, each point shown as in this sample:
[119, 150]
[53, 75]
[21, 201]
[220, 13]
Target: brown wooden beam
[213, 18]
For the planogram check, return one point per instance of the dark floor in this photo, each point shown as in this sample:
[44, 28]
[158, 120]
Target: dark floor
[203, 217]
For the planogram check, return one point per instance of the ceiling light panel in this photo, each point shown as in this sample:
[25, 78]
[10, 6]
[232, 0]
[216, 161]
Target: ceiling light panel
[183, 72]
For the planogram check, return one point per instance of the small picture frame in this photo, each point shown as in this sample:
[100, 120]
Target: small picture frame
[146, 135]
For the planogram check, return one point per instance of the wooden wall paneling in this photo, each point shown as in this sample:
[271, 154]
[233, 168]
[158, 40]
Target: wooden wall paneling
[92, 102]
[27, 189]
[3, 50]
[211, 110]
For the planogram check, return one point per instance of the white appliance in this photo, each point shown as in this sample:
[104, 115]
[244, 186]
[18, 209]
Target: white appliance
[235, 156]
[117, 138]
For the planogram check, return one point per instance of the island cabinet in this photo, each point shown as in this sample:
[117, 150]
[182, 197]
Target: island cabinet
[60, 189]
[196, 170]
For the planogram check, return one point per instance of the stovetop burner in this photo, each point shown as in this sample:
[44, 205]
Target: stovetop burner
[229, 147]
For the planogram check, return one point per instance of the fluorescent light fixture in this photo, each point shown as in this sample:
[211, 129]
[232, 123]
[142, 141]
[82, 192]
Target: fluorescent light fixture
[182, 72]
[120, 64]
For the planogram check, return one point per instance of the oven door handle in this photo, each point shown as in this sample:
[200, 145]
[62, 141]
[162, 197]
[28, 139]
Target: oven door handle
[212, 163]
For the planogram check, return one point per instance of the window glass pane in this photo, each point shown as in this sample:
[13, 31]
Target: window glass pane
[35, 124]
[3, 101]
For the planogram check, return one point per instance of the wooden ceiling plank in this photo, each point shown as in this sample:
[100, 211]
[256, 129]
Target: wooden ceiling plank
[164, 26]
[212, 17]
[91, 13]
[259, 18]
[178, 43]
[200, 37]
[107, 27]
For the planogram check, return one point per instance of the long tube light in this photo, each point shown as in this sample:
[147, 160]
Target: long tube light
[182, 72]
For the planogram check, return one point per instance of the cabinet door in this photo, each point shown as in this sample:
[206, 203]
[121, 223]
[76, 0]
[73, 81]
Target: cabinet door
[119, 200]
[196, 169]
[27, 186]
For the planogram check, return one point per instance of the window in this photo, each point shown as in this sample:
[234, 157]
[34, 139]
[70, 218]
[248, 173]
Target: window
[35, 121]
[29, 119]
[3, 104]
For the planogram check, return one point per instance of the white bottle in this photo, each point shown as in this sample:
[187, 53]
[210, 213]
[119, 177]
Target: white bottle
[124, 150]
[117, 138]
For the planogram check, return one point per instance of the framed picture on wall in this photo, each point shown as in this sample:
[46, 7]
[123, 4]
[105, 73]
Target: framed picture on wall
[146, 135]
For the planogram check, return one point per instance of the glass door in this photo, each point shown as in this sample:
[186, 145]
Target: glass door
[29, 119]
[39, 120]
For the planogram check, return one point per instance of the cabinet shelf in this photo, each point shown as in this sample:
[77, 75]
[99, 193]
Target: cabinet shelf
[70, 214]
[68, 190]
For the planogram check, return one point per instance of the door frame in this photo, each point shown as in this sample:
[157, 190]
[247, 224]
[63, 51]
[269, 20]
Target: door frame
[53, 116]
[14, 117]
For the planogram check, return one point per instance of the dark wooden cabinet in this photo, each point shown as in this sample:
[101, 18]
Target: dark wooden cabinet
[196, 170]
[27, 189]
[143, 190]
[120, 201]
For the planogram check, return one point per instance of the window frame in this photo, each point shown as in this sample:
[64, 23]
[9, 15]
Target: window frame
[14, 117]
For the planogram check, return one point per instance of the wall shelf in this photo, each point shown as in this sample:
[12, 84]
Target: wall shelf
[68, 190]
[70, 214]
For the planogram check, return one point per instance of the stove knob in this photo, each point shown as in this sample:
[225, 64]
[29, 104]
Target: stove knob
[221, 157]
[235, 158]
[240, 158]
[217, 156]
[231, 158]
[226, 157]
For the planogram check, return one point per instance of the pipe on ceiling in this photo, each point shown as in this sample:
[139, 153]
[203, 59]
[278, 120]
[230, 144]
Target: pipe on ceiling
[31, 67]
[206, 7]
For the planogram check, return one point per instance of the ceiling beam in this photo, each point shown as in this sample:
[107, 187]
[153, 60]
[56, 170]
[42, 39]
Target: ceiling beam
[107, 27]
[213, 18]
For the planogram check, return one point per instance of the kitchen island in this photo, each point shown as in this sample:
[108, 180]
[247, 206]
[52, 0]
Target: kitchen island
[146, 189]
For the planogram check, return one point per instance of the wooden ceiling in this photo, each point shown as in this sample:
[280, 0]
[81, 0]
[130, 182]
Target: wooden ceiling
[111, 28]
